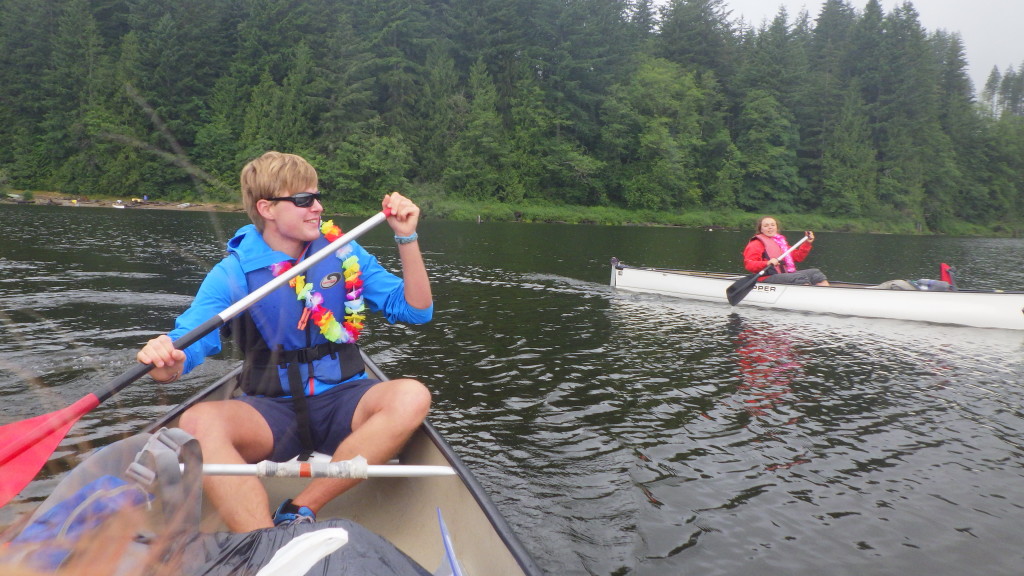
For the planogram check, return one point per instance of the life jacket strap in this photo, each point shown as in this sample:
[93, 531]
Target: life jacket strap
[301, 406]
[307, 355]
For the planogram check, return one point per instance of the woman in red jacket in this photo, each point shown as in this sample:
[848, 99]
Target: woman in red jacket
[765, 249]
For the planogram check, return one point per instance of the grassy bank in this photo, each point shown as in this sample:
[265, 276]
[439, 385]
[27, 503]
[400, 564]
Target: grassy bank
[437, 206]
[448, 209]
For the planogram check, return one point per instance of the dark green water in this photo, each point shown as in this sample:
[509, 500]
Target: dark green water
[620, 434]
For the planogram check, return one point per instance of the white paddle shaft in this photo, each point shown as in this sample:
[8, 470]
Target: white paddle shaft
[356, 468]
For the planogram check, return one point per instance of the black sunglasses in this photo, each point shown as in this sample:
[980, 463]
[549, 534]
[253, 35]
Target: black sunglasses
[302, 199]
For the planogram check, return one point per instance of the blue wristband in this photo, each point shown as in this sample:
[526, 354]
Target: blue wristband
[407, 239]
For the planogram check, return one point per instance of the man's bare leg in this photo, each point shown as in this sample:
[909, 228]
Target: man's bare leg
[386, 417]
[231, 432]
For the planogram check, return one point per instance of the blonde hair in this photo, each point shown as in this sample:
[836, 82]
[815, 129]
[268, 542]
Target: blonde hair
[273, 174]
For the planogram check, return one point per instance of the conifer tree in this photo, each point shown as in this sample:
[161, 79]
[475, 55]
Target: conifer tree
[767, 142]
[475, 159]
[827, 88]
[698, 35]
[849, 171]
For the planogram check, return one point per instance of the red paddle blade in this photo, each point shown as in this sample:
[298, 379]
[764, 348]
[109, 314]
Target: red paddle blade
[28, 444]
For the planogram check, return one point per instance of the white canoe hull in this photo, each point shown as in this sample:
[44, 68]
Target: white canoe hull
[966, 308]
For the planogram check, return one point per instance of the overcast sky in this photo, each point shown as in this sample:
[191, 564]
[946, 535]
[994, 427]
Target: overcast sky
[990, 29]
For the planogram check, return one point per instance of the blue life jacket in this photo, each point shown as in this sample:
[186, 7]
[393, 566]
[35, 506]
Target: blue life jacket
[279, 356]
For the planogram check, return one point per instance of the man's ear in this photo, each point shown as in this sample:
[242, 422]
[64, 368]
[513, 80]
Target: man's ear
[263, 208]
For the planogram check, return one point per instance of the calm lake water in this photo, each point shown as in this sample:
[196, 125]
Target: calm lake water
[619, 433]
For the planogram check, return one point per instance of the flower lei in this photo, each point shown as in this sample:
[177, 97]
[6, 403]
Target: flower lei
[329, 326]
[787, 262]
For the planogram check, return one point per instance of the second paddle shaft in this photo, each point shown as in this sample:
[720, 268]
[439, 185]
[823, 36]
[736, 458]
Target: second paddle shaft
[784, 254]
[356, 468]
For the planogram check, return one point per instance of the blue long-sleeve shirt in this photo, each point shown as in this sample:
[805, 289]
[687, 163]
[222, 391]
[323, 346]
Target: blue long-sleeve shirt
[226, 283]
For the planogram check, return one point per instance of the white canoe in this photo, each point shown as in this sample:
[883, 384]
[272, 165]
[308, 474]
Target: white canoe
[983, 309]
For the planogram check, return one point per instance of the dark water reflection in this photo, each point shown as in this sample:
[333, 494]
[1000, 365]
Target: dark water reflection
[619, 433]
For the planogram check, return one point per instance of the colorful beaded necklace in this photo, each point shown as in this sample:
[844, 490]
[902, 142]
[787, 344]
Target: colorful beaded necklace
[329, 326]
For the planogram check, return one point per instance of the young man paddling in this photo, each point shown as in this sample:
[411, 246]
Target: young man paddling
[303, 375]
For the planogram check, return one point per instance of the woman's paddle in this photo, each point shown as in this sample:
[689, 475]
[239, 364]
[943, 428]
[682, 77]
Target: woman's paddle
[25, 446]
[740, 288]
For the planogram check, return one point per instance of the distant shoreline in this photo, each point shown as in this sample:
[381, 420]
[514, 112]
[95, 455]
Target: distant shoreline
[533, 212]
[57, 199]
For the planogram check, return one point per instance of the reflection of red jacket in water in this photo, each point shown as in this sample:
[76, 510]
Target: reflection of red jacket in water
[768, 364]
[761, 249]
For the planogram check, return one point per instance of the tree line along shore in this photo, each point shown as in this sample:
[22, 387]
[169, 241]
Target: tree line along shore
[528, 213]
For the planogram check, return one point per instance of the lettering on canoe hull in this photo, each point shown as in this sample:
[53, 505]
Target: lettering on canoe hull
[765, 288]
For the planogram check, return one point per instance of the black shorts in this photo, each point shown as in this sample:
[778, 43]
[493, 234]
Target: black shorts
[330, 416]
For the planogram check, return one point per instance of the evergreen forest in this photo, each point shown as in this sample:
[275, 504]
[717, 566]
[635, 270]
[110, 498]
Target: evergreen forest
[672, 106]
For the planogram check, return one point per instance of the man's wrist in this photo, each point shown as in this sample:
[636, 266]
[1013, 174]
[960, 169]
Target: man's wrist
[400, 240]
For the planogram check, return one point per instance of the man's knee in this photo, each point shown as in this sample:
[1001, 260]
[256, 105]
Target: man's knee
[407, 399]
[191, 419]
[200, 420]
[415, 397]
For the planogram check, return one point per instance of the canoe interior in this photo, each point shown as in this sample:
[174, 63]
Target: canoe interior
[404, 510]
